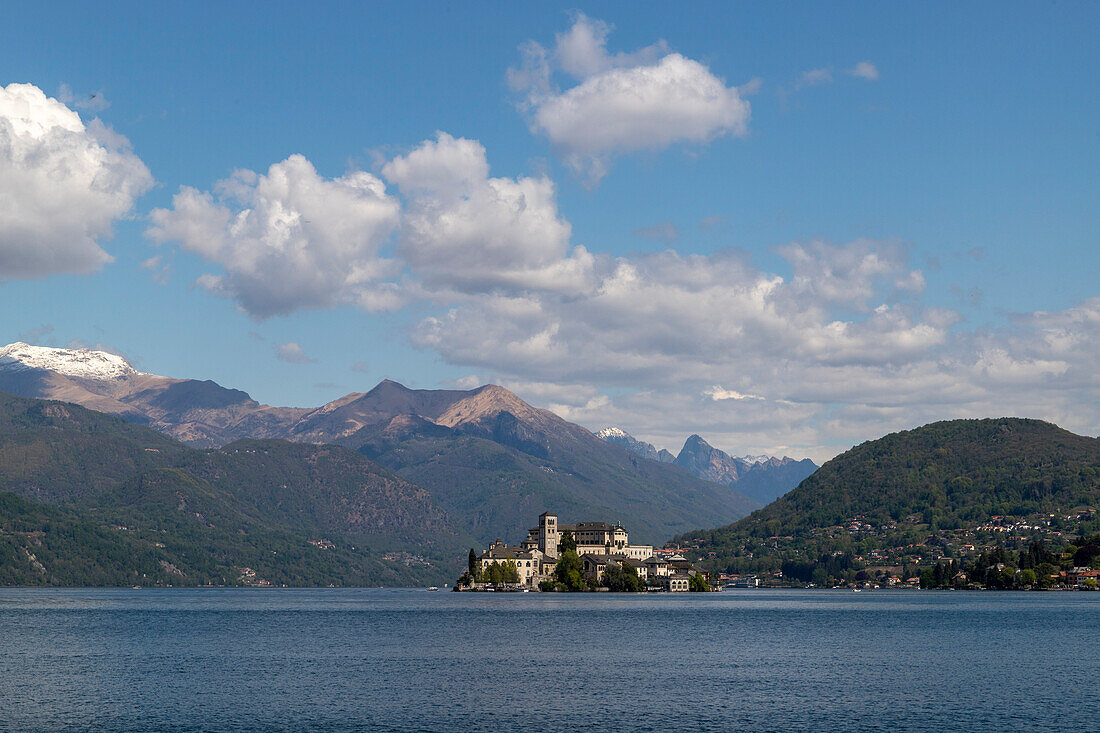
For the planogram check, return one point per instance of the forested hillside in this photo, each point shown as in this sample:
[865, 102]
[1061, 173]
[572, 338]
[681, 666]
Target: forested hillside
[910, 497]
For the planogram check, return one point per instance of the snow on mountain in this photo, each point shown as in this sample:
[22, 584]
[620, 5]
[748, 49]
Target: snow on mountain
[754, 459]
[620, 437]
[80, 363]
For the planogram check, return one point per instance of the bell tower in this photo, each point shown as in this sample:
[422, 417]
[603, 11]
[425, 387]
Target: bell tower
[548, 534]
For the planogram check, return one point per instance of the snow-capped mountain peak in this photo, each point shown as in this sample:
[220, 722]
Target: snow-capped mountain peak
[612, 433]
[755, 459]
[81, 363]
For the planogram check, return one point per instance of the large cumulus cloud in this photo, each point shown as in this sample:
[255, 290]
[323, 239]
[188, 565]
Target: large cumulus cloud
[468, 232]
[289, 239]
[621, 103]
[63, 184]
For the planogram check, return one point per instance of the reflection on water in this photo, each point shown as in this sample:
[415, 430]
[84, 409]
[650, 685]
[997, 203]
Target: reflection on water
[409, 660]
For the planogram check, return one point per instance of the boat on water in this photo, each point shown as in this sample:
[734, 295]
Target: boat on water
[433, 587]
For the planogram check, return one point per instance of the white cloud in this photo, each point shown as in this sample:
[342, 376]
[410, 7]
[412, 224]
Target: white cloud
[63, 184]
[851, 273]
[834, 355]
[292, 353]
[623, 103]
[864, 70]
[290, 239]
[814, 77]
[470, 233]
[717, 393]
[90, 102]
[159, 269]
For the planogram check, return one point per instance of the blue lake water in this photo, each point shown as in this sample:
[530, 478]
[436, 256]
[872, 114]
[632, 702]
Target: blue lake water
[412, 660]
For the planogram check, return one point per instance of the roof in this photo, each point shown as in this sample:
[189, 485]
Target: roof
[596, 526]
[506, 553]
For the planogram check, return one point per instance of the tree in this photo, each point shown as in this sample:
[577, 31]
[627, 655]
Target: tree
[509, 573]
[471, 563]
[569, 571]
[566, 543]
[493, 574]
[698, 584]
[622, 578]
[1025, 578]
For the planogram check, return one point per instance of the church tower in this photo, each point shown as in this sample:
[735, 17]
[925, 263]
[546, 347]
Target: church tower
[548, 534]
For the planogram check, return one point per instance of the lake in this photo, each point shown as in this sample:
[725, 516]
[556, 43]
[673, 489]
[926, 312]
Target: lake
[413, 660]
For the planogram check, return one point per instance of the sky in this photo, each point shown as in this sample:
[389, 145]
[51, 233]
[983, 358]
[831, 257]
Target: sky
[787, 227]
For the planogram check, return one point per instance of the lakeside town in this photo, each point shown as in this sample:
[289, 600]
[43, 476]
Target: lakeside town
[1039, 548]
[1004, 553]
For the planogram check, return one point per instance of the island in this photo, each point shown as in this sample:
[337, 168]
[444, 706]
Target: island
[586, 556]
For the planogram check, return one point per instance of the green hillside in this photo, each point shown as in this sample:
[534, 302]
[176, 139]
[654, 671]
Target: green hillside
[97, 500]
[915, 496]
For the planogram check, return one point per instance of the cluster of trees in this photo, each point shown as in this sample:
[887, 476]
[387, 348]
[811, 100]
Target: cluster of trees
[1007, 570]
[820, 571]
[497, 573]
[569, 572]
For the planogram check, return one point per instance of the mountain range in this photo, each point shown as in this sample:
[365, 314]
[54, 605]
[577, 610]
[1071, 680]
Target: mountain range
[489, 460]
[762, 478]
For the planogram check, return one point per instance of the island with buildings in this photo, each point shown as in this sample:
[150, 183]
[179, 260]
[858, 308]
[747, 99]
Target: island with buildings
[577, 557]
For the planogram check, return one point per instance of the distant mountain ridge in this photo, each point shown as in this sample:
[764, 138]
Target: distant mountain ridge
[618, 436]
[763, 478]
[491, 460]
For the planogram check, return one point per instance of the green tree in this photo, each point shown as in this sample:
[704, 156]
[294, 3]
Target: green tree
[566, 543]
[570, 572]
[471, 563]
[1025, 578]
[493, 574]
[698, 584]
[509, 573]
[622, 578]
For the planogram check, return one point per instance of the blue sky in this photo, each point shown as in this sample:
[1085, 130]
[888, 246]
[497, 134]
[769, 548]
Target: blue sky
[963, 168]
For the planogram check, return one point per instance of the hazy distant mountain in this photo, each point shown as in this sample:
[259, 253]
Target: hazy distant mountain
[618, 436]
[763, 478]
[490, 459]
